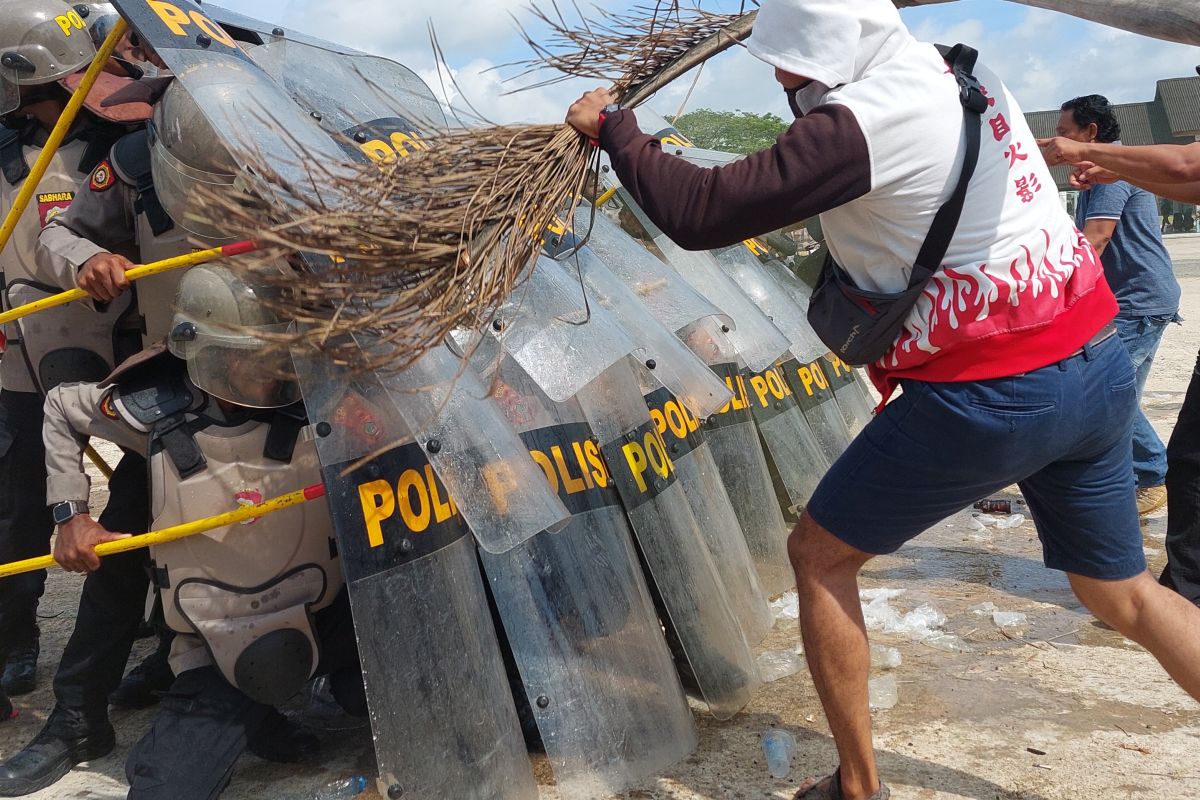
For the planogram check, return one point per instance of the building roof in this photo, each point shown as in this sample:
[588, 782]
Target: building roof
[1172, 117]
[1180, 99]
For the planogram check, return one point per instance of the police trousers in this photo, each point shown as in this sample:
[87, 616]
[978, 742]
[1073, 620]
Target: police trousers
[112, 603]
[203, 723]
[25, 521]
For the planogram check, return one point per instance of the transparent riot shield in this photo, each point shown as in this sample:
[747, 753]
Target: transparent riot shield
[442, 714]
[738, 453]
[688, 449]
[698, 613]
[853, 401]
[561, 342]
[815, 396]
[596, 673]
[759, 342]
[668, 297]
[797, 457]
[659, 350]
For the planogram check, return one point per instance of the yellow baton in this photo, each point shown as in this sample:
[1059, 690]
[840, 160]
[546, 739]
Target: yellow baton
[166, 265]
[65, 121]
[177, 532]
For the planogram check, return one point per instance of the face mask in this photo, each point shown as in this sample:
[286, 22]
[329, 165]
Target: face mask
[805, 97]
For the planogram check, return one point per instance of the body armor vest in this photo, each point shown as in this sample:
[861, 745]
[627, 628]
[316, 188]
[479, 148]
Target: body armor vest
[246, 591]
[74, 342]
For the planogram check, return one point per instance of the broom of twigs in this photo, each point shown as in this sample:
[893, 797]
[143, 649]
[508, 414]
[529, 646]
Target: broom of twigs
[409, 250]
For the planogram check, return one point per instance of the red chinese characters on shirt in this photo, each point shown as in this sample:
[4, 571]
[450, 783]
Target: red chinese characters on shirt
[1014, 155]
[1000, 127]
[1027, 187]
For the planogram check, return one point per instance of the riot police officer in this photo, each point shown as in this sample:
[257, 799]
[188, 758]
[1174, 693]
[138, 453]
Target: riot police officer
[136, 201]
[258, 609]
[43, 43]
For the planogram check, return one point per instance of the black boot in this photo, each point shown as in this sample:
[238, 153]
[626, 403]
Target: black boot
[66, 739]
[280, 740]
[20, 670]
[146, 682]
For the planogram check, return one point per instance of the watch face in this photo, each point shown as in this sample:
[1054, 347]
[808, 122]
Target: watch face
[63, 512]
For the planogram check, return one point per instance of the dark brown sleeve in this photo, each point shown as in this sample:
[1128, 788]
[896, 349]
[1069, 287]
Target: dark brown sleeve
[819, 163]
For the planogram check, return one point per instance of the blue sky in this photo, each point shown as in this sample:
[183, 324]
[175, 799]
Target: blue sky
[1044, 57]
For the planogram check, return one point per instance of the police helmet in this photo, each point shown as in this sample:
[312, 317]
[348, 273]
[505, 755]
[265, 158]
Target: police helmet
[41, 41]
[229, 338]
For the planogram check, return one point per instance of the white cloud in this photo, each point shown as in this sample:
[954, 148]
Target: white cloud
[1048, 58]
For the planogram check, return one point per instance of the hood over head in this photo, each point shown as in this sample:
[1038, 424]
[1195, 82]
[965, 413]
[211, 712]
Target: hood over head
[833, 42]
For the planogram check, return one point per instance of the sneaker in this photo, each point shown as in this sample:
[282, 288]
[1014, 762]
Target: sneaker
[66, 739]
[20, 670]
[1151, 499]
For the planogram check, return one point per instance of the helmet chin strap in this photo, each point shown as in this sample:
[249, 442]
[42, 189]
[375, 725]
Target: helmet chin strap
[791, 96]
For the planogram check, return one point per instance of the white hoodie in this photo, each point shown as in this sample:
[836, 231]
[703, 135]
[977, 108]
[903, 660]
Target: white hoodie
[1016, 260]
[878, 152]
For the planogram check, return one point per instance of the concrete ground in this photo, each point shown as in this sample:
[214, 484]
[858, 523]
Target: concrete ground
[1057, 709]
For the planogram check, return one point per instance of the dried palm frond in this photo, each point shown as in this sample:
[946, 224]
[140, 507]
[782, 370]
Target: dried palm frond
[421, 245]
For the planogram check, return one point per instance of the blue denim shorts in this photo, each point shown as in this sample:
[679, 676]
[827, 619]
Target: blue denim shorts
[1062, 433]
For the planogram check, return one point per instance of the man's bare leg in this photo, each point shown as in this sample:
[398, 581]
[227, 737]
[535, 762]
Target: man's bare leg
[835, 644]
[1155, 617]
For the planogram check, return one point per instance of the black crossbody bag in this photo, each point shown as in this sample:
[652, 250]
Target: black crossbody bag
[861, 326]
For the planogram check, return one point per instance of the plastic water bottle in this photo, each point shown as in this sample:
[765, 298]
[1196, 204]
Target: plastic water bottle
[346, 787]
[778, 747]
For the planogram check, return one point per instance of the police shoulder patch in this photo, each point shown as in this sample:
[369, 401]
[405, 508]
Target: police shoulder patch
[102, 177]
[108, 407]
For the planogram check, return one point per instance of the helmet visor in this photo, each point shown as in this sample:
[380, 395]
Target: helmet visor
[241, 368]
[182, 189]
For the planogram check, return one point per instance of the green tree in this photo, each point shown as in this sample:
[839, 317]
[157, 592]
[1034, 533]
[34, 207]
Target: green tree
[731, 131]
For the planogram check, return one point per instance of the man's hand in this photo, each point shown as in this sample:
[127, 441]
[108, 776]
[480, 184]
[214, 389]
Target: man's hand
[1060, 150]
[75, 545]
[103, 276]
[1086, 175]
[584, 113]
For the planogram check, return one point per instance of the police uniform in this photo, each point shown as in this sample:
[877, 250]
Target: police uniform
[258, 607]
[70, 343]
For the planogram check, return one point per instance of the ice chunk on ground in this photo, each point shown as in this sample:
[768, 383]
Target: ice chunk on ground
[1008, 619]
[1011, 521]
[883, 693]
[884, 657]
[774, 665]
[786, 607]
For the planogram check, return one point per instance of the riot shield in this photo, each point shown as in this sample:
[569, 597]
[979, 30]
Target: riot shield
[442, 714]
[759, 342]
[697, 471]
[854, 402]
[556, 338]
[814, 394]
[659, 350]
[668, 297]
[797, 456]
[681, 386]
[698, 613]
[595, 671]
[736, 449]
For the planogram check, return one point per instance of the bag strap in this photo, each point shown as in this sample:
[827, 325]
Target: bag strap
[961, 60]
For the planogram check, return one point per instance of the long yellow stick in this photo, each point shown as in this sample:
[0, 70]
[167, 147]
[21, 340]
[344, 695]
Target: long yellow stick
[99, 461]
[166, 265]
[60, 132]
[179, 531]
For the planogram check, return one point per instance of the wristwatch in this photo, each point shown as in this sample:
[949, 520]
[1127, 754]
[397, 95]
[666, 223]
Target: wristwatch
[63, 512]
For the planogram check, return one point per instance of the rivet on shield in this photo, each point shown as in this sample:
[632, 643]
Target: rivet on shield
[395, 791]
[373, 470]
[316, 115]
[360, 137]
[606, 168]
[277, 31]
[675, 447]
[724, 329]
[406, 546]
[497, 325]
[779, 406]
[543, 701]
[651, 363]
[659, 485]
[434, 446]
[324, 429]
[203, 39]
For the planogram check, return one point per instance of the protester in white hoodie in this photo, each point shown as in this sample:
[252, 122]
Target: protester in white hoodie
[1010, 370]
